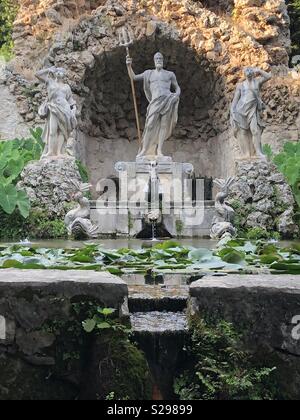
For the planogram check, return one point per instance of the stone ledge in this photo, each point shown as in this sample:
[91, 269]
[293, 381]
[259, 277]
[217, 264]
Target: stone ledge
[251, 283]
[109, 289]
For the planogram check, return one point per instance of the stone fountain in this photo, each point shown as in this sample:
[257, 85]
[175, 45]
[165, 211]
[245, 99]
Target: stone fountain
[154, 182]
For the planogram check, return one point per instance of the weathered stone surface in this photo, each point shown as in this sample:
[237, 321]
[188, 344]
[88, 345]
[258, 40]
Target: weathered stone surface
[42, 329]
[12, 124]
[206, 43]
[49, 185]
[263, 199]
[263, 308]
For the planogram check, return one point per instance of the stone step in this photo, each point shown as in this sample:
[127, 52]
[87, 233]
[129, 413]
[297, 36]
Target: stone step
[159, 322]
[157, 298]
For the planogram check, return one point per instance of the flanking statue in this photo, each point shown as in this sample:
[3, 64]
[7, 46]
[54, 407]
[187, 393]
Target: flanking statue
[163, 93]
[222, 225]
[245, 113]
[78, 221]
[59, 111]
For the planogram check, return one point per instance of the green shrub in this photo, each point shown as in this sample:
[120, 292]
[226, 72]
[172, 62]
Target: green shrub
[288, 163]
[260, 233]
[82, 171]
[219, 369]
[37, 226]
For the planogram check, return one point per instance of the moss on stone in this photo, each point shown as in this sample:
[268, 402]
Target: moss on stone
[120, 369]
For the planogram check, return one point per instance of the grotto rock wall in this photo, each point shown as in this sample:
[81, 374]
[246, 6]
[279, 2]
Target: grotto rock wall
[262, 199]
[206, 43]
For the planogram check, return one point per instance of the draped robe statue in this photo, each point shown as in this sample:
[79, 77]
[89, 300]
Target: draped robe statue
[162, 114]
[245, 113]
[59, 111]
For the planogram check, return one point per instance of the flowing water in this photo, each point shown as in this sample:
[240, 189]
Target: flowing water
[159, 322]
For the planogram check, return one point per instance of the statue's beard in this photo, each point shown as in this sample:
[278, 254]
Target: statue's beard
[159, 66]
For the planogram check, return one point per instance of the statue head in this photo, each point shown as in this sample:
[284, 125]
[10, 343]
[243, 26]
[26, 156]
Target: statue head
[59, 74]
[159, 61]
[249, 73]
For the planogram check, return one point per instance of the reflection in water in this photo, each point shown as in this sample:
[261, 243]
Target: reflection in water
[113, 243]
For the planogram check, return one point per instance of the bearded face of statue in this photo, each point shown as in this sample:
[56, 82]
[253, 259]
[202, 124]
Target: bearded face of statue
[159, 61]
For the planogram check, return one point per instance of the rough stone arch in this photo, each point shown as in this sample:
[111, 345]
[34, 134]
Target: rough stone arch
[107, 121]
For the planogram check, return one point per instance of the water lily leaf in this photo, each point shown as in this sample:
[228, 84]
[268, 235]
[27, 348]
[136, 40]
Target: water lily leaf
[167, 245]
[286, 267]
[232, 256]
[200, 254]
[12, 264]
[83, 258]
[270, 258]
[114, 270]
[209, 265]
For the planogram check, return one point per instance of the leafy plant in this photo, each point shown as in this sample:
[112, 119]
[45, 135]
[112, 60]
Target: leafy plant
[82, 171]
[14, 155]
[288, 162]
[220, 370]
[261, 233]
[101, 320]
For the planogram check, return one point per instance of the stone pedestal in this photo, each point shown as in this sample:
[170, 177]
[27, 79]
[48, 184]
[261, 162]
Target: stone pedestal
[48, 183]
[262, 198]
[162, 185]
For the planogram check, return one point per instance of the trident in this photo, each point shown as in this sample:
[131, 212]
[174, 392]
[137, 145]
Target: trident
[126, 41]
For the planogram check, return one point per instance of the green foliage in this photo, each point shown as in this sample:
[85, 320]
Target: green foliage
[179, 227]
[37, 226]
[220, 370]
[8, 12]
[260, 233]
[82, 171]
[288, 163]
[14, 155]
[102, 320]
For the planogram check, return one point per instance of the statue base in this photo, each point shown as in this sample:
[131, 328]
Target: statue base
[144, 188]
[48, 184]
[264, 198]
[149, 159]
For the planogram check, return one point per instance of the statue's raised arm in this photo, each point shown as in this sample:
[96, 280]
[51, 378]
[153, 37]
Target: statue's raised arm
[264, 76]
[132, 75]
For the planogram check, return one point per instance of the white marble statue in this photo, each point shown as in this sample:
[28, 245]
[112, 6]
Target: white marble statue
[59, 111]
[222, 225]
[245, 113]
[78, 221]
[163, 93]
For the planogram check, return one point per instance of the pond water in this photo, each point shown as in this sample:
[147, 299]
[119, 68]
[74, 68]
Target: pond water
[113, 243]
